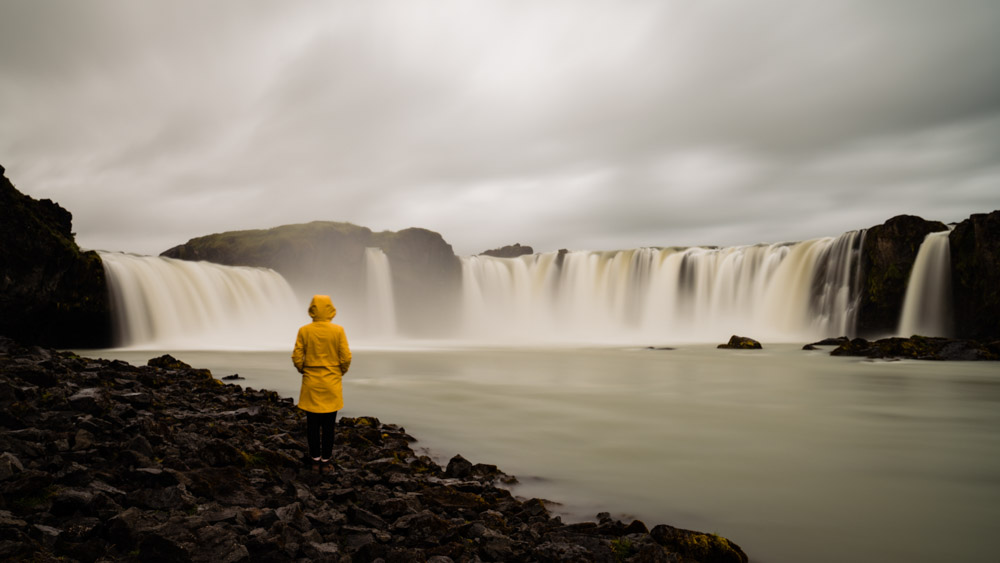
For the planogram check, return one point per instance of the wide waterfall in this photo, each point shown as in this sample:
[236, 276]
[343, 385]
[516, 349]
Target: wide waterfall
[166, 303]
[926, 309]
[776, 292]
[381, 315]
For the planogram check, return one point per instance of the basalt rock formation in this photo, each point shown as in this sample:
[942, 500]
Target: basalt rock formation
[51, 292]
[329, 258]
[509, 251]
[105, 461]
[887, 257]
[920, 348]
[975, 276]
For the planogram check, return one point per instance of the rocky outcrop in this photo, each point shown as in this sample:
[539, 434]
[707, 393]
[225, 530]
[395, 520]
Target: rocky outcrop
[510, 251]
[975, 276]
[920, 348]
[741, 343]
[51, 292]
[107, 461]
[887, 256]
[329, 258]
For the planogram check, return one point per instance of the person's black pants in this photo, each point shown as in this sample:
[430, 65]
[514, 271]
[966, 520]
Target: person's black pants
[321, 423]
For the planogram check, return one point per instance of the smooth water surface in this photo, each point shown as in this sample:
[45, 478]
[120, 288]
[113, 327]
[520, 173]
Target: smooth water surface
[797, 456]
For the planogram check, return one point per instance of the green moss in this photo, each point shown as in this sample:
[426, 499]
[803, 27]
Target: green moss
[622, 549]
[252, 460]
[708, 547]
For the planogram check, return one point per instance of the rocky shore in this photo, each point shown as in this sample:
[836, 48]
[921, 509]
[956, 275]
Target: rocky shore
[106, 461]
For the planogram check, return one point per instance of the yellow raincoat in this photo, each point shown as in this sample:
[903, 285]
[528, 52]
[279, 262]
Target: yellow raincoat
[322, 356]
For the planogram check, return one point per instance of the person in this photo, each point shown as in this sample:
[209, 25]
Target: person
[322, 356]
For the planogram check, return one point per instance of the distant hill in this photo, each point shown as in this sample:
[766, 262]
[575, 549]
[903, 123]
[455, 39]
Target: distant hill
[329, 258]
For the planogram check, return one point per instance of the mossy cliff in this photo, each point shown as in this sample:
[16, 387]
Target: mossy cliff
[887, 257]
[329, 258]
[975, 276]
[51, 292]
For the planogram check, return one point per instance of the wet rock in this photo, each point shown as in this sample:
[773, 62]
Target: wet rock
[741, 343]
[920, 348]
[167, 361]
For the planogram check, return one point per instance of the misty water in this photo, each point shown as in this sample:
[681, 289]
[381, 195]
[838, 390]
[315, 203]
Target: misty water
[795, 455]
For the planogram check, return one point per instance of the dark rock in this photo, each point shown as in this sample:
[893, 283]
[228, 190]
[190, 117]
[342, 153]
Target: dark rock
[887, 257]
[920, 348]
[708, 548]
[975, 276]
[51, 292]
[167, 361]
[510, 251]
[458, 467]
[741, 343]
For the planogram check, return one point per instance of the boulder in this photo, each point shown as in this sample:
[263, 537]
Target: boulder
[975, 276]
[51, 292]
[741, 343]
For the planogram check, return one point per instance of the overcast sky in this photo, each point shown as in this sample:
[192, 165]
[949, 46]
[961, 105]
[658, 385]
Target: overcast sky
[559, 124]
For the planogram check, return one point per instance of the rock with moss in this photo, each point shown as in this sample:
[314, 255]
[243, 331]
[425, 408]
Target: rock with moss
[741, 343]
[975, 276]
[51, 292]
[887, 257]
[326, 257]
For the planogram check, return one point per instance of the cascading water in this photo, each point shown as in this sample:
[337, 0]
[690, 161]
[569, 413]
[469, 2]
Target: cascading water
[926, 307]
[166, 303]
[381, 303]
[778, 292]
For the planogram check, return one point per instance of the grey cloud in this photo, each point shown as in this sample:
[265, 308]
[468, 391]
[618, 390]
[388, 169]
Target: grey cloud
[562, 124]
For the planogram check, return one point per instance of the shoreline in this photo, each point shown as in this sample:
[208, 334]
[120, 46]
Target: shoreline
[104, 460]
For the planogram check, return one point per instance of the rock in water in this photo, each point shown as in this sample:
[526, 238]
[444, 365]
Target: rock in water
[920, 348]
[741, 343]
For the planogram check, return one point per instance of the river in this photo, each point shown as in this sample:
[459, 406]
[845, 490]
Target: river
[795, 455]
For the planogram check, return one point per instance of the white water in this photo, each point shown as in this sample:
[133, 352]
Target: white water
[381, 303]
[926, 308]
[162, 302]
[777, 292]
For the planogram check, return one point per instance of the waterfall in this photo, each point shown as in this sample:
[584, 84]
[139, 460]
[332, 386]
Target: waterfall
[926, 307]
[166, 303]
[778, 292]
[381, 303]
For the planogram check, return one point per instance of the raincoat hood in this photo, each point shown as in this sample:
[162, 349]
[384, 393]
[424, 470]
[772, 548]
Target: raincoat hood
[322, 309]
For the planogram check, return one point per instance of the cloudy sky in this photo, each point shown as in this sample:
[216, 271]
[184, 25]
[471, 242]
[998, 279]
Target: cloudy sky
[580, 124]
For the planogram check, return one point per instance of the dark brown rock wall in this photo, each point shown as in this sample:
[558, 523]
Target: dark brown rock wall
[975, 276]
[888, 254]
[51, 292]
